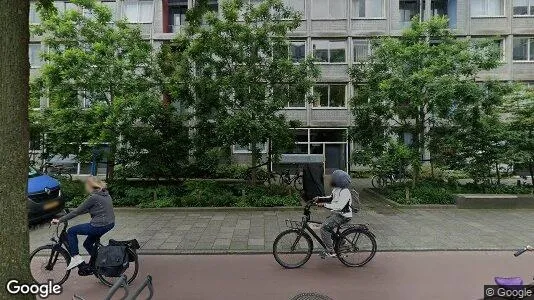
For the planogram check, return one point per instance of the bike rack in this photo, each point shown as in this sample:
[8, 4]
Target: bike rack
[122, 282]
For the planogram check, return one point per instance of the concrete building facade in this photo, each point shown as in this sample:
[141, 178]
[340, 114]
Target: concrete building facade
[337, 33]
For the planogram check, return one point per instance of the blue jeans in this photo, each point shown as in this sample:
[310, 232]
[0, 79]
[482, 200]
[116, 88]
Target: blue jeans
[93, 233]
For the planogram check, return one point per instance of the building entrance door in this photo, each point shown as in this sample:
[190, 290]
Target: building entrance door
[335, 157]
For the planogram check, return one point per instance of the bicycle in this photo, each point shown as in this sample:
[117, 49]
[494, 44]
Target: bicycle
[292, 179]
[56, 171]
[262, 176]
[513, 287]
[49, 262]
[383, 180]
[297, 242]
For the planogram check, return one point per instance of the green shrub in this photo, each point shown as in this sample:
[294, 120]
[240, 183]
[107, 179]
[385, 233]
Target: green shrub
[436, 191]
[201, 193]
[73, 192]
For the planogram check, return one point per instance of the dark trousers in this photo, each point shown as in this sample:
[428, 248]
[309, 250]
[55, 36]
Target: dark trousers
[328, 227]
[93, 233]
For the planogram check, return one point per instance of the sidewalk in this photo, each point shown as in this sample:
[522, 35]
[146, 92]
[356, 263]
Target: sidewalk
[175, 232]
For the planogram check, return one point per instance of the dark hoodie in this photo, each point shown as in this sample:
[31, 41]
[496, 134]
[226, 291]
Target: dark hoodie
[99, 205]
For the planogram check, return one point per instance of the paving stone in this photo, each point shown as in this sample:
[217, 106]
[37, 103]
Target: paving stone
[168, 246]
[256, 242]
[395, 229]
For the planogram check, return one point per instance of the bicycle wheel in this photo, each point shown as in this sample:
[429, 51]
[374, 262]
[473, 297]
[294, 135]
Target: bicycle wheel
[377, 181]
[56, 271]
[131, 272]
[292, 248]
[355, 247]
[297, 182]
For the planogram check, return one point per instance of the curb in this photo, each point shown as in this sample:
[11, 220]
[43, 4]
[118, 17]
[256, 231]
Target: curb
[265, 252]
[209, 209]
[416, 206]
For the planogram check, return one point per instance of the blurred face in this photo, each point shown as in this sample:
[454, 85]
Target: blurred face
[89, 186]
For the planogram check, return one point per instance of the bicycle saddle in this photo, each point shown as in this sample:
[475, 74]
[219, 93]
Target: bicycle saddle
[510, 282]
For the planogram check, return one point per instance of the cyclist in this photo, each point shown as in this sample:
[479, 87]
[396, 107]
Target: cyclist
[100, 206]
[339, 202]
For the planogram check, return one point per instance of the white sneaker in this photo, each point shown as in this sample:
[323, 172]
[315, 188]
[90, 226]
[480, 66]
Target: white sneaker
[75, 261]
[325, 254]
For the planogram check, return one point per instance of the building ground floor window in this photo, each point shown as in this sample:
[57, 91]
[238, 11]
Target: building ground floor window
[332, 143]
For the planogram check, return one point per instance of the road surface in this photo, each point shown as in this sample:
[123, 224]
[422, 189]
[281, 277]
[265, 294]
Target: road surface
[391, 275]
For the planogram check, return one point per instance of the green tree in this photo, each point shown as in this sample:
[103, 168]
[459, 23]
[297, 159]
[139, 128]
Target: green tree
[102, 83]
[234, 70]
[519, 111]
[412, 83]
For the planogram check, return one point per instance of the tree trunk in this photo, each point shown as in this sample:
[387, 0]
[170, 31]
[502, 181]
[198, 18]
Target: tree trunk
[531, 170]
[255, 158]
[14, 137]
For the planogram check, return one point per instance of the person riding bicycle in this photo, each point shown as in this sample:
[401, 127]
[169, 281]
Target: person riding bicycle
[339, 202]
[100, 206]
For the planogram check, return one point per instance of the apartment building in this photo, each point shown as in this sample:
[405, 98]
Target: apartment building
[337, 33]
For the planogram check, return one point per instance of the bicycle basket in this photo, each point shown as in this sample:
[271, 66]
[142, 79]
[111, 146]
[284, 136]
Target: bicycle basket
[294, 224]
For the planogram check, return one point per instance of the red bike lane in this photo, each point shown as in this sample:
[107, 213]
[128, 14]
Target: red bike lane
[391, 275]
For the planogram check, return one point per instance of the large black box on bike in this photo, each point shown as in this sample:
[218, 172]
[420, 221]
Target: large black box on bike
[313, 180]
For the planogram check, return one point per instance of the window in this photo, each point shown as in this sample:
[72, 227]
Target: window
[138, 11]
[409, 9]
[297, 51]
[523, 7]
[330, 95]
[330, 51]
[34, 15]
[296, 5]
[445, 8]
[112, 5]
[177, 17]
[63, 6]
[367, 8]
[361, 50]
[499, 44]
[487, 8]
[34, 53]
[297, 98]
[524, 48]
[329, 9]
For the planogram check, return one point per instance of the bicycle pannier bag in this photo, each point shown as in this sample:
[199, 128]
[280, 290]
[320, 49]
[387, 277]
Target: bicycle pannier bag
[112, 261]
[356, 205]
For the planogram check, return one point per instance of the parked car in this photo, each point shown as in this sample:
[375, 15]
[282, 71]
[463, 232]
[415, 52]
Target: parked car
[44, 196]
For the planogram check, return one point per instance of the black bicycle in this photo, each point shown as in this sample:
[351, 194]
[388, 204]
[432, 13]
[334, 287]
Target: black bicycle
[354, 244]
[49, 262]
[57, 171]
[263, 176]
[295, 179]
[511, 288]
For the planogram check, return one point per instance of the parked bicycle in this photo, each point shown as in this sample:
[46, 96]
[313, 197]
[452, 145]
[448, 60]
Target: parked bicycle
[383, 180]
[512, 288]
[49, 262]
[57, 171]
[262, 176]
[294, 179]
[354, 244]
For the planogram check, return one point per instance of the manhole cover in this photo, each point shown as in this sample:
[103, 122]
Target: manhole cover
[311, 296]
